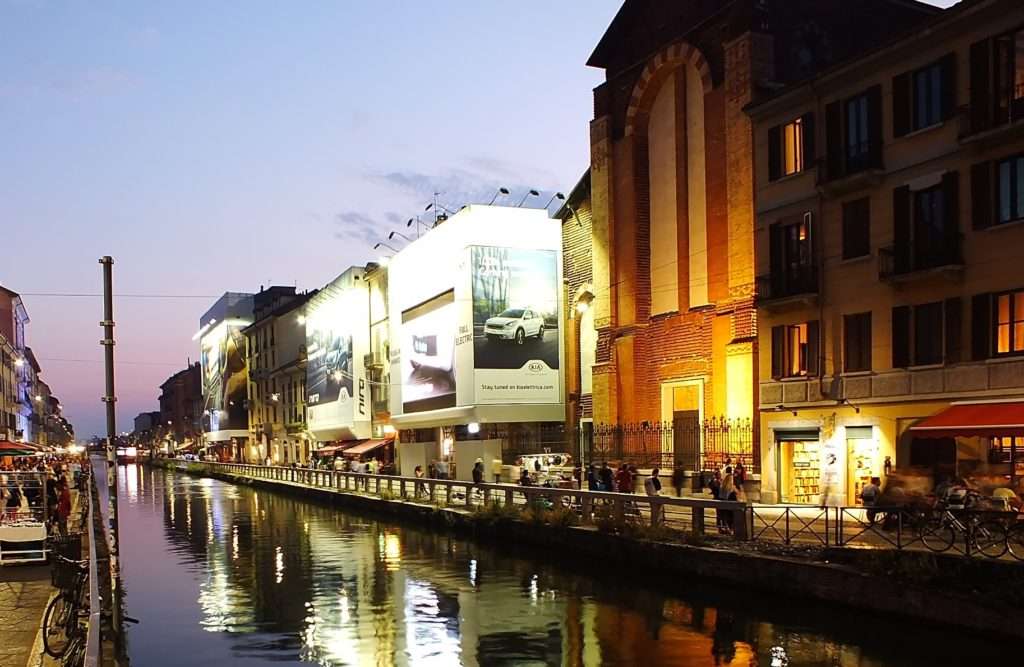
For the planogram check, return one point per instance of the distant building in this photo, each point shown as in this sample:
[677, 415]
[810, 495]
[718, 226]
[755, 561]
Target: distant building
[181, 408]
[13, 320]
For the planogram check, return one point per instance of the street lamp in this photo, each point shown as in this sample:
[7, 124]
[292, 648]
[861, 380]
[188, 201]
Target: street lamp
[384, 245]
[502, 192]
[392, 235]
[530, 193]
[558, 195]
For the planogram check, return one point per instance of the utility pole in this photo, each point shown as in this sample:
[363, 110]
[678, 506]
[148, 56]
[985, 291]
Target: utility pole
[110, 398]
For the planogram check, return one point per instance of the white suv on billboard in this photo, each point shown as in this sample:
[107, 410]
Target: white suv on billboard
[515, 324]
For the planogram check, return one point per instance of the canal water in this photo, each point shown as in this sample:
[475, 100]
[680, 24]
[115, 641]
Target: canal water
[224, 575]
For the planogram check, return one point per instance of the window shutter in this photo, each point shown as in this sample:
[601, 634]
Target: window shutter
[948, 65]
[954, 333]
[901, 336]
[981, 326]
[875, 126]
[982, 195]
[775, 153]
[901, 228]
[834, 140]
[775, 260]
[981, 75]
[807, 122]
[951, 192]
[812, 347]
[778, 351]
[901, 104]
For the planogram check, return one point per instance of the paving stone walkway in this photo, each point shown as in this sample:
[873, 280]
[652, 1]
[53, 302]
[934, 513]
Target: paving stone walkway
[24, 592]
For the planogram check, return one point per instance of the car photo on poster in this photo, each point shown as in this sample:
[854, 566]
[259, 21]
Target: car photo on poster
[329, 370]
[515, 307]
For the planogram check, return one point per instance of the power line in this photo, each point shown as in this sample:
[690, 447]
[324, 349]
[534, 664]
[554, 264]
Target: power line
[121, 296]
[100, 361]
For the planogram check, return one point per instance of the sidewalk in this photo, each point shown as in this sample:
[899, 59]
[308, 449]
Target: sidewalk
[24, 592]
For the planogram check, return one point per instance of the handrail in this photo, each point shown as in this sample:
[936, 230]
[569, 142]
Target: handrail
[93, 652]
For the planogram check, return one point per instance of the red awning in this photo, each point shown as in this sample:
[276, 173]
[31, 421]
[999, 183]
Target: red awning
[333, 450]
[364, 447]
[974, 419]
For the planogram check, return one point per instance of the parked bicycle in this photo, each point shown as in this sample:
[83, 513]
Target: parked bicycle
[63, 630]
[955, 520]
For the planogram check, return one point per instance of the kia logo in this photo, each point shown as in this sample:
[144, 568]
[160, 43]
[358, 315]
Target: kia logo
[536, 367]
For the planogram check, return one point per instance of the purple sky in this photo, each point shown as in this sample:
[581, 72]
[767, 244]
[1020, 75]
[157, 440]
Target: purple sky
[212, 147]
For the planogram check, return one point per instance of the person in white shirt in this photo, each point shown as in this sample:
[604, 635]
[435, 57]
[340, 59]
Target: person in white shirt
[652, 487]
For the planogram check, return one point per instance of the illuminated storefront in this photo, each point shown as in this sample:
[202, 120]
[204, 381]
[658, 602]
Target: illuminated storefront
[475, 311]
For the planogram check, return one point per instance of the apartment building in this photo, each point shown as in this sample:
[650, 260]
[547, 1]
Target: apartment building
[889, 196]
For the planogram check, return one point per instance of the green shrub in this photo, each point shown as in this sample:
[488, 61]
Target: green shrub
[495, 512]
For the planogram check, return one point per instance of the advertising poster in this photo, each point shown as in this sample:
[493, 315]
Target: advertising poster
[515, 324]
[428, 354]
[224, 379]
[329, 367]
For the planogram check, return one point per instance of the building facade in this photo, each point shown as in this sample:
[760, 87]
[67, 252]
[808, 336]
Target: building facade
[276, 353]
[889, 192]
[672, 194]
[225, 377]
[181, 409]
[13, 322]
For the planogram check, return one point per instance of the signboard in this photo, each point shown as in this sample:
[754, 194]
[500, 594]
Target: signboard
[224, 377]
[428, 354]
[515, 324]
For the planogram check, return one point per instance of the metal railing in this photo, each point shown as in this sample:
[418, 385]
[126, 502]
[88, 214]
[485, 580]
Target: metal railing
[686, 514]
[898, 528]
[93, 648]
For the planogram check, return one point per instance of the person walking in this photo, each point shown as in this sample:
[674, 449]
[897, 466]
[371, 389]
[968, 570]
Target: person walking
[593, 480]
[607, 477]
[677, 480]
[869, 496]
[63, 506]
[652, 487]
[624, 480]
[727, 492]
[420, 489]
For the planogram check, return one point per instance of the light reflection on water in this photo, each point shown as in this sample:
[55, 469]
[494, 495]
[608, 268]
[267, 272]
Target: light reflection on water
[253, 577]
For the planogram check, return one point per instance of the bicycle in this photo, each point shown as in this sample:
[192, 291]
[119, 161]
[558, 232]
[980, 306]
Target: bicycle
[1015, 540]
[63, 633]
[985, 535]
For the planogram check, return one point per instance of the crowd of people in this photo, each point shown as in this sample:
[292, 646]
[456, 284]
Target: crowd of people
[33, 488]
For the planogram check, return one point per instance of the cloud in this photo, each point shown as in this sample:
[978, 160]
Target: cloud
[357, 227]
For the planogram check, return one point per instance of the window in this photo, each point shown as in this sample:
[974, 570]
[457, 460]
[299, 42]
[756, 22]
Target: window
[927, 333]
[858, 142]
[857, 228]
[1003, 447]
[1011, 189]
[795, 350]
[1009, 75]
[857, 342]
[929, 220]
[1009, 323]
[928, 98]
[925, 225]
[791, 147]
[791, 255]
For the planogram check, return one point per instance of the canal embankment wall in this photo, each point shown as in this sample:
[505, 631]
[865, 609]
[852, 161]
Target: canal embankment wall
[979, 595]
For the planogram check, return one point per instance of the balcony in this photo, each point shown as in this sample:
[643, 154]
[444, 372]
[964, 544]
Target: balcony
[1001, 121]
[907, 263]
[796, 284]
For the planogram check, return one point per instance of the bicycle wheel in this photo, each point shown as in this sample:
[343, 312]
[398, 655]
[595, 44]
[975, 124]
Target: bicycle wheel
[990, 539]
[74, 656]
[1015, 541]
[937, 535]
[55, 623]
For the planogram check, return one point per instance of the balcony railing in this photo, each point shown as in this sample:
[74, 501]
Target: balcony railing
[1002, 111]
[905, 259]
[788, 283]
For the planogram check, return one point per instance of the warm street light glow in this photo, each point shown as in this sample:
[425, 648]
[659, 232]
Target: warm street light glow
[582, 306]
[473, 427]
[301, 319]
[19, 362]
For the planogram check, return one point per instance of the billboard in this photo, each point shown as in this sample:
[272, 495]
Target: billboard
[337, 338]
[428, 354]
[224, 377]
[515, 324]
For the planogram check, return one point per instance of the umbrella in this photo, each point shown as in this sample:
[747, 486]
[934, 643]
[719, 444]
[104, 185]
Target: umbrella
[8, 448]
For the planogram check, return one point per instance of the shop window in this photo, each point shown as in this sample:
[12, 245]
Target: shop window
[1003, 447]
[799, 471]
[856, 228]
[1009, 323]
[857, 342]
[795, 350]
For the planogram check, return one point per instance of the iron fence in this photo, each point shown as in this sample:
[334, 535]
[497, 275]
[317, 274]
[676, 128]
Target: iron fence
[690, 444]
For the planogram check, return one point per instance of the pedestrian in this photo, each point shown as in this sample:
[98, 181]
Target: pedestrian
[607, 477]
[677, 480]
[524, 478]
[63, 507]
[593, 480]
[478, 472]
[869, 496]
[623, 480]
[418, 473]
[442, 469]
[652, 487]
[727, 492]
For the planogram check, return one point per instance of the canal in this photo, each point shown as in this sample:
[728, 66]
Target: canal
[219, 574]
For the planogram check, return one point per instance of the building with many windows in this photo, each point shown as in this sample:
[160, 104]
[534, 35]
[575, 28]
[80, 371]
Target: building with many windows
[889, 199]
[671, 192]
[181, 409]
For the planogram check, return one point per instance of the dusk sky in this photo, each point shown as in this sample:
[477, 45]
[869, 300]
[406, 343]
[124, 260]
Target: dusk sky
[223, 146]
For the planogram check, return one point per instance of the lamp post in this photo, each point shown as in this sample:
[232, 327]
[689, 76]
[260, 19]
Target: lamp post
[529, 193]
[502, 192]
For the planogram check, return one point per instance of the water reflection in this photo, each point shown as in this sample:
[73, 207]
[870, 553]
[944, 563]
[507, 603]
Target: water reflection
[256, 577]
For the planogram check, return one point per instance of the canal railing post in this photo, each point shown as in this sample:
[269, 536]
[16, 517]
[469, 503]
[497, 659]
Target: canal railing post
[697, 520]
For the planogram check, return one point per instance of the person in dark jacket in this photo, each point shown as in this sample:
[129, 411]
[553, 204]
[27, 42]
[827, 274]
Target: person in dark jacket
[607, 478]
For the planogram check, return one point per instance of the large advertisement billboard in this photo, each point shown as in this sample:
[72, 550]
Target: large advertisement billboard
[224, 378]
[337, 333]
[428, 354]
[515, 324]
